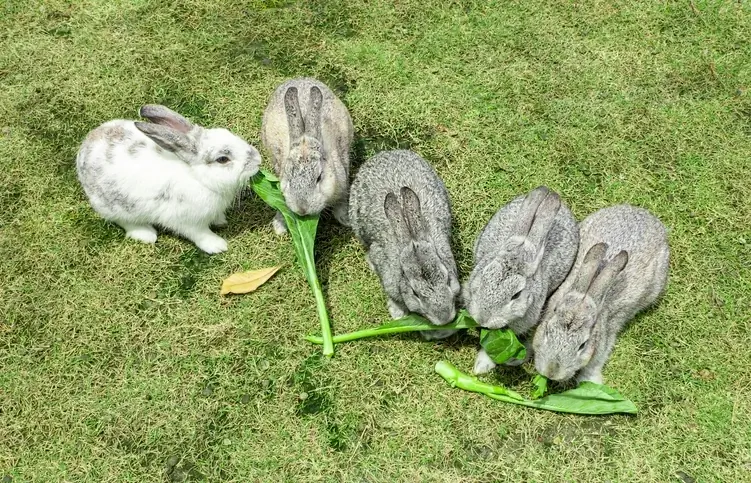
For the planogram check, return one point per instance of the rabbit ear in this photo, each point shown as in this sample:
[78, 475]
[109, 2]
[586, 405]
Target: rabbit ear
[589, 267]
[313, 119]
[165, 117]
[294, 116]
[413, 214]
[170, 139]
[604, 280]
[544, 218]
[541, 226]
[529, 209]
[394, 215]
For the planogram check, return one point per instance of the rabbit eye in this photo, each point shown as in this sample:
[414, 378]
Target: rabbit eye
[516, 295]
[222, 160]
[584, 344]
[320, 176]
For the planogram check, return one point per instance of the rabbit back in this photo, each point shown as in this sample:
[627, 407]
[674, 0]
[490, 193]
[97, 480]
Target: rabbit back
[387, 172]
[561, 242]
[643, 236]
[307, 186]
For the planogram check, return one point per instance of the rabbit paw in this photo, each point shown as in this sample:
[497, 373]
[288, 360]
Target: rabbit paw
[514, 362]
[145, 233]
[211, 243]
[280, 227]
[483, 363]
[585, 376]
[437, 334]
[341, 213]
[395, 310]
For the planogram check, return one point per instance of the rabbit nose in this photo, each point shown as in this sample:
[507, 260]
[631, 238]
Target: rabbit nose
[299, 207]
[551, 371]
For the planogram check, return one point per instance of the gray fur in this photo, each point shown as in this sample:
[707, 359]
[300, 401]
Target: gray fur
[621, 269]
[178, 142]
[528, 246]
[400, 210]
[521, 256]
[308, 132]
[166, 117]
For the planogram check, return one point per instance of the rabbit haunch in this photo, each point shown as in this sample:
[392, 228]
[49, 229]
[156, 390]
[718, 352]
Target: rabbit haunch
[621, 269]
[168, 173]
[400, 211]
[521, 256]
[308, 132]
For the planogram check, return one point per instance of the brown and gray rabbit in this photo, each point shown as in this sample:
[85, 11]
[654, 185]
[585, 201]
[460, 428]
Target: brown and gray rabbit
[521, 256]
[621, 269]
[308, 132]
[400, 211]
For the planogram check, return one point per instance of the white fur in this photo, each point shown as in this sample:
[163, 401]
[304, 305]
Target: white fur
[133, 182]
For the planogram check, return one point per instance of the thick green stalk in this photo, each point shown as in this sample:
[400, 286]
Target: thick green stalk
[302, 229]
[587, 398]
[410, 323]
[470, 383]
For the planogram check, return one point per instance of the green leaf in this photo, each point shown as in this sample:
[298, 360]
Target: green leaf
[588, 398]
[302, 229]
[502, 345]
[410, 323]
[541, 386]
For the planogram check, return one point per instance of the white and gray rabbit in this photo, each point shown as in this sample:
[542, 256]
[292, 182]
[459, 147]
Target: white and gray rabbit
[308, 132]
[521, 256]
[169, 173]
[400, 211]
[621, 268]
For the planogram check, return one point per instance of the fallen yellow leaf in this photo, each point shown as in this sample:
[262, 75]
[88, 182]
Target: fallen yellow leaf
[245, 282]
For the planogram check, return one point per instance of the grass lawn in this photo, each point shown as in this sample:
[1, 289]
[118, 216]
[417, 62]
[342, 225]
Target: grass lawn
[120, 361]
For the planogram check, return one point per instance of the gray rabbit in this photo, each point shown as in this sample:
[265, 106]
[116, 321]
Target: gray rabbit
[308, 132]
[400, 211]
[521, 256]
[621, 268]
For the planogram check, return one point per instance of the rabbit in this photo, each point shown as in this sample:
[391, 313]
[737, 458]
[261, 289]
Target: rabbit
[308, 132]
[521, 256]
[399, 209]
[170, 172]
[621, 268]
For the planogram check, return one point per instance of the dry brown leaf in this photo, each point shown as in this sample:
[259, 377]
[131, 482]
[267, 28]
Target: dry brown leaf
[246, 282]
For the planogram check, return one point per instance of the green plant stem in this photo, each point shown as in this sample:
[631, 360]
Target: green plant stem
[302, 231]
[470, 383]
[323, 315]
[410, 323]
[588, 398]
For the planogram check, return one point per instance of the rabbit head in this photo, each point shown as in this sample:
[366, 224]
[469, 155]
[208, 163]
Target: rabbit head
[567, 338]
[305, 182]
[427, 285]
[220, 160]
[501, 287]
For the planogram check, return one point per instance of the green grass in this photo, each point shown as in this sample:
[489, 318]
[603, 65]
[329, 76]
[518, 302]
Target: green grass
[120, 361]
